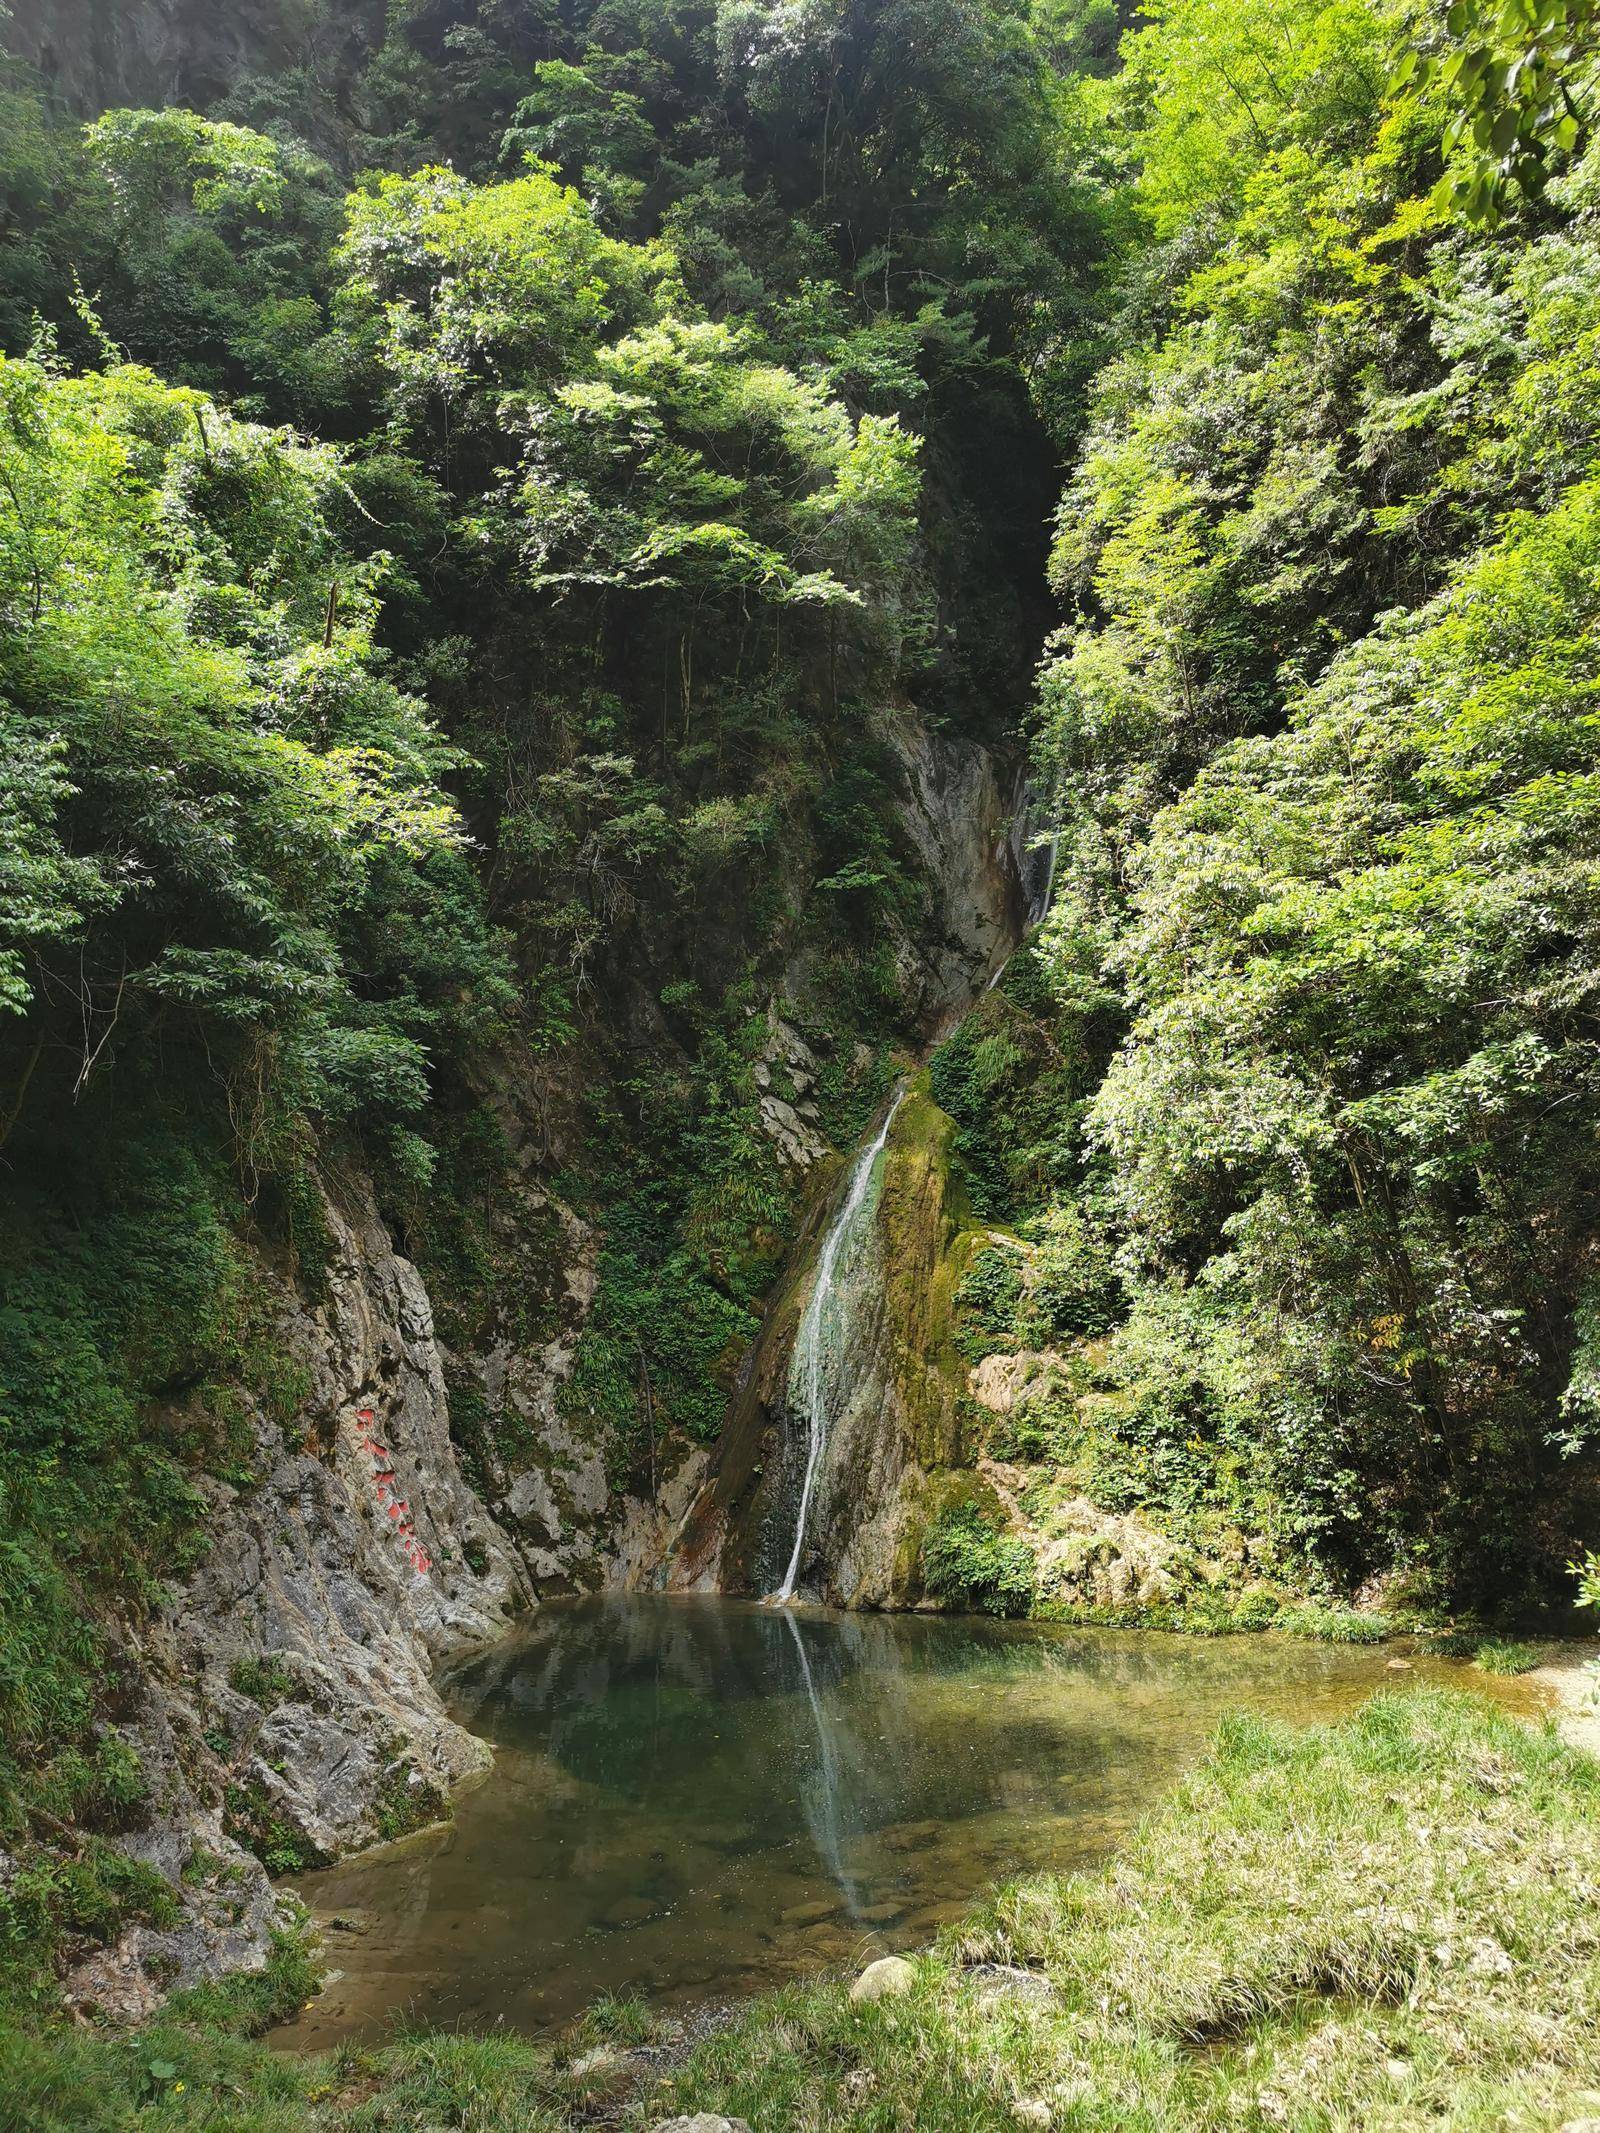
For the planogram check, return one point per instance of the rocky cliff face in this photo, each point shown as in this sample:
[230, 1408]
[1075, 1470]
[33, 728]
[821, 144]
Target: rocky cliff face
[960, 816]
[896, 1421]
[95, 53]
[897, 1425]
[288, 1708]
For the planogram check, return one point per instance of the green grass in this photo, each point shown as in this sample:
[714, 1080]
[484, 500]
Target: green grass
[1336, 1625]
[1388, 1923]
[1229, 1613]
[1495, 1655]
[1504, 1655]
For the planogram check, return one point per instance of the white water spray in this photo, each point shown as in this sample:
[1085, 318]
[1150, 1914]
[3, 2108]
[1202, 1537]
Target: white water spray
[822, 1310]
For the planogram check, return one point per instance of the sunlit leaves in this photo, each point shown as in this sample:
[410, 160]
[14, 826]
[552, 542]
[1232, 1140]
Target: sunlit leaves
[1519, 79]
[209, 769]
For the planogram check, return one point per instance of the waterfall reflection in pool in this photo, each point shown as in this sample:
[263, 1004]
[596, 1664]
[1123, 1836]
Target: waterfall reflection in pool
[695, 1797]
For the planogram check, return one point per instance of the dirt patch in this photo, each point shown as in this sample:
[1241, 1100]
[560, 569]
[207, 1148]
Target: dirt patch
[1568, 1672]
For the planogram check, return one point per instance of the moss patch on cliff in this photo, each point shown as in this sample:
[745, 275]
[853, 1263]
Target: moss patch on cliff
[927, 1238]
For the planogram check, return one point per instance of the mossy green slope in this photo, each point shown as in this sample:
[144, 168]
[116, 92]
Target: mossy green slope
[900, 1438]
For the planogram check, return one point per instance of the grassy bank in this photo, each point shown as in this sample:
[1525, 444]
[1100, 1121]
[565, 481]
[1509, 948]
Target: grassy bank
[1390, 1922]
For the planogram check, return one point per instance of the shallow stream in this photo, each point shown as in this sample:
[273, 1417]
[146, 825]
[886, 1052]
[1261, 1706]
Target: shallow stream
[693, 1798]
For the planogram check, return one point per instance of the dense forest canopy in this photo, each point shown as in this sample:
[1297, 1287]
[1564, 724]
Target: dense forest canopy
[470, 483]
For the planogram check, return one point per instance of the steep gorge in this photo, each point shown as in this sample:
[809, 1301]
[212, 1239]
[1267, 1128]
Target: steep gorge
[421, 1496]
[524, 548]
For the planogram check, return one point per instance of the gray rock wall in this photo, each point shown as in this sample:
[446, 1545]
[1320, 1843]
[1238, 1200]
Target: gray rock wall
[288, 1692]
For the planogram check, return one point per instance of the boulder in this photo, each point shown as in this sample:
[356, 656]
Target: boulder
[701, 2122]
[996, 1982]
[886, 1979]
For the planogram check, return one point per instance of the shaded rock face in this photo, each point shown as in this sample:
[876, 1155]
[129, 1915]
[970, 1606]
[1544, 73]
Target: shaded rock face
[959, 819]
[964, 814]
[290, 1703]
[895, 1391]
[544, 1478]
[895, 1407]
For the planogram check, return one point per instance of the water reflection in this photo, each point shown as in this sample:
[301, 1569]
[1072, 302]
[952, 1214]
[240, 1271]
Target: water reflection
[693, 1797]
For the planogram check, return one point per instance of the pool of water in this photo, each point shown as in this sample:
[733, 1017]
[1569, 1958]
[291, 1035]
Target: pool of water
[693, 1798]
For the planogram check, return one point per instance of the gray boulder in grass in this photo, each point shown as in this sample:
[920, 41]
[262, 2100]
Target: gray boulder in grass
[886, 1979]
[701, 2122]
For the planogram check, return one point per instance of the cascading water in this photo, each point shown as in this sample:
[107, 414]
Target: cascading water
[814, 1387]
[809, 1381]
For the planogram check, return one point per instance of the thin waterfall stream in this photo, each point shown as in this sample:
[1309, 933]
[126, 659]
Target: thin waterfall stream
[819, 1338]
[822, 1314]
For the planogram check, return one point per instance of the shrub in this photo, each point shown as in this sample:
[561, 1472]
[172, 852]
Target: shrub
[968, 1561]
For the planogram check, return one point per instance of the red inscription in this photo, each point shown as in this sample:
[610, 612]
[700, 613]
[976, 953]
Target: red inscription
[395, 1506]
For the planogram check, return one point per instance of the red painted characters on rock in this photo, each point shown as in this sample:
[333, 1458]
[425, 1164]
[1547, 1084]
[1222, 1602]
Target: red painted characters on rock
[392, 1504]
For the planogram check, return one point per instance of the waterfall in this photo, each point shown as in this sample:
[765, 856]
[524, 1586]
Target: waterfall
[1039, 896]
[822, 1315]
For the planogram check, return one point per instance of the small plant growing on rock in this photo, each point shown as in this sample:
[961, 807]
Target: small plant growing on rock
[264, 1680]
[250, 1818]
[406, 1801]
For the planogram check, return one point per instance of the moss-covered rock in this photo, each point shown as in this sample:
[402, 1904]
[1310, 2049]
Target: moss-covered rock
[900, 1418]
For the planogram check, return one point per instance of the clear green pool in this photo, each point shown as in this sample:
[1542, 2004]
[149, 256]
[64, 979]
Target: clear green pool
[693, 1798]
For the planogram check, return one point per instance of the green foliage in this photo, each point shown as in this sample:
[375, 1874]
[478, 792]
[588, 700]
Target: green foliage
[54, 1909]
[1317, 726]
[1519, 78]
[988, 1300]
[1014, 1077]
[265, 1680]
[1220, 92]
[696, 1209]
[969, 1561]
